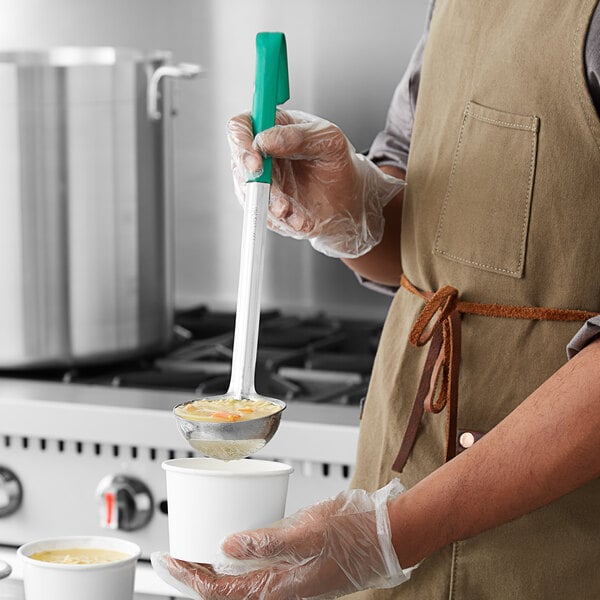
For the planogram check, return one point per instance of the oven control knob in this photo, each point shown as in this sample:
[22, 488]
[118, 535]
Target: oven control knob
[125, 502]
[11, 492]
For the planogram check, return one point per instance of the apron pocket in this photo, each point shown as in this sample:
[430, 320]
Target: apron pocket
[485, 214]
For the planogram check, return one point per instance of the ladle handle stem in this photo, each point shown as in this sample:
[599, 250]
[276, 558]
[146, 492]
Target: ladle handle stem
[247, 316]
[271, 87]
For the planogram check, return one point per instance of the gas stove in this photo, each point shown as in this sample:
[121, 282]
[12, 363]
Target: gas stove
[314, 359]
[69, 434]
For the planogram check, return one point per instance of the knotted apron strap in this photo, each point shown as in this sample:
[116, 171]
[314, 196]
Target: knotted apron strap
[439, 324]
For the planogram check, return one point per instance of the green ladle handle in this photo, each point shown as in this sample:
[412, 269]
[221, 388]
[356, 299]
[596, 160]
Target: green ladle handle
[271, 87]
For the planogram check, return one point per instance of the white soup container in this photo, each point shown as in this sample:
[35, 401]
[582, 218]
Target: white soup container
[209, 499]
[100, 581]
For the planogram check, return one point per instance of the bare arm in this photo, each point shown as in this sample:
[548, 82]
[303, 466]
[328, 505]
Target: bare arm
[383, 264]
[545, 448]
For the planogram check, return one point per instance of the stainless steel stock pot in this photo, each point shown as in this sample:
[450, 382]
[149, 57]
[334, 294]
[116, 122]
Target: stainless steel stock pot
[85, 203]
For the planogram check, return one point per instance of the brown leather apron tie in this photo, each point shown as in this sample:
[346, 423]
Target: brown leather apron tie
[439, 324]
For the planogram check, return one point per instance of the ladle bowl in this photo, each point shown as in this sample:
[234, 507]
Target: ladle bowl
[230, 440]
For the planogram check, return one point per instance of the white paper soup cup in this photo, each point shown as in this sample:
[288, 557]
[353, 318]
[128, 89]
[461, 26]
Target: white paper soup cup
[208, 499]
[99, 581]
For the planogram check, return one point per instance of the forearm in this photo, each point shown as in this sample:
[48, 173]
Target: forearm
[382, 264]
[544, 449]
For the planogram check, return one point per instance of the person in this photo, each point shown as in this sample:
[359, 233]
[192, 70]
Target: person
[483, 484]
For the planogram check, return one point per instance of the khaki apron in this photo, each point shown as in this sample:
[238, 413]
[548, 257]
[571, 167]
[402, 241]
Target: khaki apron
[502, 203]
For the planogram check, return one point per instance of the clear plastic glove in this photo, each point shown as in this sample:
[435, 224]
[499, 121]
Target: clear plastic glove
[322, 190]
[336, 547]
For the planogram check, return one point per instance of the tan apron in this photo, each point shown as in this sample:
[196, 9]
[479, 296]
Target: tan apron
[503, 204]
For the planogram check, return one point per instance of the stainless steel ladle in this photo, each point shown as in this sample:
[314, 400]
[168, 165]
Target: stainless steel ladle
[239, 439]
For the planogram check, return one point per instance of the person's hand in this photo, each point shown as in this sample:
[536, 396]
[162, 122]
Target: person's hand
[333, 548]
[322, 190]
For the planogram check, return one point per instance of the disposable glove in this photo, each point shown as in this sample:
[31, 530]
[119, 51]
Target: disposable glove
[322, 190]
[333, 548]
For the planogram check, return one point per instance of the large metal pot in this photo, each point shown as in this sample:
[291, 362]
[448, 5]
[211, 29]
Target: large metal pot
[85, 202]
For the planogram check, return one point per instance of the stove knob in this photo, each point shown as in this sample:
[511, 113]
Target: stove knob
[125, 502]
[11, 492]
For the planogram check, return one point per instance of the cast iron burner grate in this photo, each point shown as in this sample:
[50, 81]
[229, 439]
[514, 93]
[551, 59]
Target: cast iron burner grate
[312, 359]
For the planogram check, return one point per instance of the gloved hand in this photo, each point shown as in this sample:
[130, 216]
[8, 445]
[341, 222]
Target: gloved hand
[333, 548]
[322, 190]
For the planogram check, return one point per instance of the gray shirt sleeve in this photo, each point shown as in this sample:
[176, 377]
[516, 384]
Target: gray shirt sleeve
[588, 333]
[592, 58]
[391, 146]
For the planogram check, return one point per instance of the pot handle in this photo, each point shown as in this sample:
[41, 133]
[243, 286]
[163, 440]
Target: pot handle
[180, 71]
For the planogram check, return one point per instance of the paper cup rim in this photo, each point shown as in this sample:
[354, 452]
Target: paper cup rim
[24, 551]
[231, 468]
